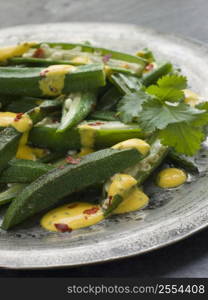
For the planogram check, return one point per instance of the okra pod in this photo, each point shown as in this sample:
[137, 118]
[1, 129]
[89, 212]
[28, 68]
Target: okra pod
[153, 76]
[146, 54]
[102, 51]
[62, 79]
[21, 105]
[75, 108]
[9, 194]
[103, 115]
[9, 140]
[106, 134]
[125, 83]
[60, 182]
[10, 137]
[147, 165]
[23, 171]
[29, 62]
[51, 157]
[109, 100]
[44, 109]
[183, 161]
[115, 201]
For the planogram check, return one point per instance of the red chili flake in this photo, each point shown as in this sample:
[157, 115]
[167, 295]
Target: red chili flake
[72, 205]
[72, 160]
[91, 211]
[18, 117]
[149, 67]
[39, 53]
[96, 123]
[44, 72]
[106, 58]
[62, 227]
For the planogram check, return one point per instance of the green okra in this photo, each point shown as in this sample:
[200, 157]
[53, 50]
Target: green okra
[9, 140]
[115, 201]
[51, 157]
[76, 108]
[103, 51]
[60, 182]
[153, 76]
[106, 134]
[31, 62]
[21, 105]
[125, 83]
[148, 164]
[30, 81]
[109, 100]
[23, 171]
[10, 137]
[103, 115]
[10, 193]
[44, 109]
[186, 162]
[146, 54]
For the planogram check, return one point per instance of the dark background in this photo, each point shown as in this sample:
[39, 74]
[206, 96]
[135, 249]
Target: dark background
[188, 258]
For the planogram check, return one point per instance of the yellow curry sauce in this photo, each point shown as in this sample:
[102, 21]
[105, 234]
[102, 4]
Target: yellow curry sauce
[22, 123]
[87, 139]
[12, 51]
[72, 216]
[80, 214]
[171, 177]
[142, 146]
[52, 81]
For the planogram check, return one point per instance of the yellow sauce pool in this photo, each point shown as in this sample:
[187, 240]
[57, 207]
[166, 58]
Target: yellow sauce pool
[134, 201]
[171, 177]
[81, 214]
[75, 215]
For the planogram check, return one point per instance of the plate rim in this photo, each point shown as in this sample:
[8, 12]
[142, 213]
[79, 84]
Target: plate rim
[177, 238]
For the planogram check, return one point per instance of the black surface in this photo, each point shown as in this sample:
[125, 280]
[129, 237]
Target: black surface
[188, 258]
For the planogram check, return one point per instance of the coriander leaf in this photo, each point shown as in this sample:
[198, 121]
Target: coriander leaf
[130, 106]
[166, 93]
[183, 137]
[173, 81]
[157, 115]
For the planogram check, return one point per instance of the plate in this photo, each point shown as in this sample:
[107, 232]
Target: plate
[173, 214]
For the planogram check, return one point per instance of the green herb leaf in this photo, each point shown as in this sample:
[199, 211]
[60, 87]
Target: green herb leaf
[166, 93]
[183, 137]
[130, 106]
[173, 81]
[157, 115]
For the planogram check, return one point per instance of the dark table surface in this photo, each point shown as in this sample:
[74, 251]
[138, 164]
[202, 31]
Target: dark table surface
[188, 258]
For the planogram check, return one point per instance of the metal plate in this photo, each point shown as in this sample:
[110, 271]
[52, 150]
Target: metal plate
[176, 214]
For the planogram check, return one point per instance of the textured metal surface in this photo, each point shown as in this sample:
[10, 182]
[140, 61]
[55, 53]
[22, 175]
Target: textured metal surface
[176, 214]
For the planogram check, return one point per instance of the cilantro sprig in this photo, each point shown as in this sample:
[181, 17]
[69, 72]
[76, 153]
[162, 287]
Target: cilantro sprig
[160, 108]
